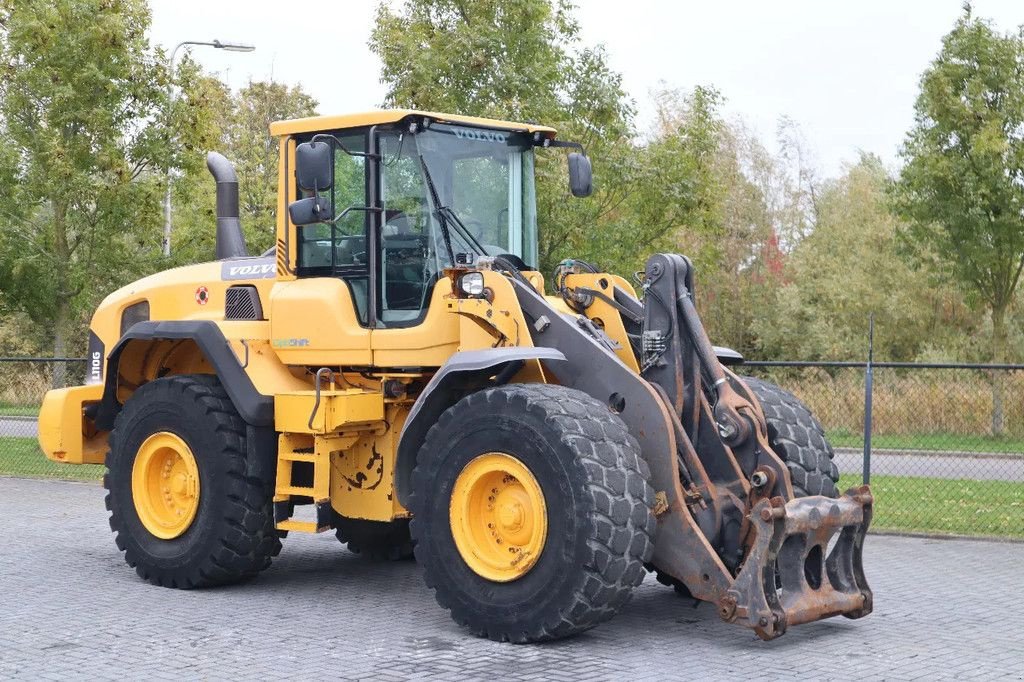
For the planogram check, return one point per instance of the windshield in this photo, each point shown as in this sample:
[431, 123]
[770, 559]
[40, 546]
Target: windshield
[484, 178]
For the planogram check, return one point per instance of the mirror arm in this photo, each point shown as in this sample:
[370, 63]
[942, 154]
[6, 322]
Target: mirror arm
[337, 142]
[563, 144]
[353, 207]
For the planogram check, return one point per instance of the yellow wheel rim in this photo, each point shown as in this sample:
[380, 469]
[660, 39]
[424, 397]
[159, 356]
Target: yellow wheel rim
[165, 485]
[498, 517]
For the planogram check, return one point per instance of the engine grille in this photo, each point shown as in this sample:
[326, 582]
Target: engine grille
[243, 303]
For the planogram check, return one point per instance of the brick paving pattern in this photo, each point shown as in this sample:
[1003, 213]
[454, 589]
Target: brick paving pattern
[70, 608]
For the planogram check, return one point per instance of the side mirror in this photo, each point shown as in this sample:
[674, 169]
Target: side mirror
[310, 210]
[313, 168]
[580, 176]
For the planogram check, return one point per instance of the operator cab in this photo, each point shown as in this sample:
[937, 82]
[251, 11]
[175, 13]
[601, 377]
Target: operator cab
[387, 207]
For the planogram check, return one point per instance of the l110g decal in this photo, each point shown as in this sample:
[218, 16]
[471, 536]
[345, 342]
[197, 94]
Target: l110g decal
[94, 369]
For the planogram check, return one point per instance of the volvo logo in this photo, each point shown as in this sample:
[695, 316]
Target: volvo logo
[481, 135]
[250, 268]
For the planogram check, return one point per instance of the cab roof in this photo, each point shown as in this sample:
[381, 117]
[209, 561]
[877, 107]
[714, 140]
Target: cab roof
[381, 116]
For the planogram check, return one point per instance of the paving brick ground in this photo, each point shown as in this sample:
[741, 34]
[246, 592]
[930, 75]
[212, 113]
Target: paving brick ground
[71, 609]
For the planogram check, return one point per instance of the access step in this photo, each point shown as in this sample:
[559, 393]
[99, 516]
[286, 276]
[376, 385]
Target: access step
[283, 517]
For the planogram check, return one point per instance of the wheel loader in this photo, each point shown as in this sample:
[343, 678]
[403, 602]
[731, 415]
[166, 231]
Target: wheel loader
[397, 370]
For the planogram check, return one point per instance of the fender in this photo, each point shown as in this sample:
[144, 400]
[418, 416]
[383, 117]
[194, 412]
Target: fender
[728, 356]
[464, 370]
[254, 407]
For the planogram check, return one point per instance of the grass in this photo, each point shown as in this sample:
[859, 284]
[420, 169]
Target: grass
[945, 506]
[950, 442]
[9, 410]
[22, 457]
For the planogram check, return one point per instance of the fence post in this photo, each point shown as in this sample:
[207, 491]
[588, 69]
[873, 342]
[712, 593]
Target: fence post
[868, 390]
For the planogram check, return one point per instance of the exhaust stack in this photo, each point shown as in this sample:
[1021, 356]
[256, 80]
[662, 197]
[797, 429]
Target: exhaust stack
[230, 242]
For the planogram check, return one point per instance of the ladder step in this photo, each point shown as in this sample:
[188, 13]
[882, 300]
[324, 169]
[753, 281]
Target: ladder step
[301, 526]
[295, 490]
[297, 456]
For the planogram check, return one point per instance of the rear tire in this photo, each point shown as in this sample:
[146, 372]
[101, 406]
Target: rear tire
[596, 504]
[231, 537]
[375, 540]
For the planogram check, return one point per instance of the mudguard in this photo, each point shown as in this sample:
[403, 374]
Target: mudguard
[464, 370]
[254, 407]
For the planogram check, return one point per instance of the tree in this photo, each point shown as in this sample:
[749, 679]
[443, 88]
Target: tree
[848, 268]
[255, 153]
[700, 199]
[193, 195]
[522, 60]
[682, 201]
[83, 129]
[239, 126]
[961, 189]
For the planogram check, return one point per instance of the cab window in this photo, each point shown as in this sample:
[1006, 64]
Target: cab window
[340, 250]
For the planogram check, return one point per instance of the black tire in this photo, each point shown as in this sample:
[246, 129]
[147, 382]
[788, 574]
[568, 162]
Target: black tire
[599, 511]
[375, 540]
[232, 537]
[797, 437]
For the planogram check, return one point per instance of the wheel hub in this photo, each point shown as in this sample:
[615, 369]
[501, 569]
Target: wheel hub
[165, 485]
[498, 517]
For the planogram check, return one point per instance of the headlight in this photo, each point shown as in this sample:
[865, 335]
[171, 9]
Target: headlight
[472, 284]
[137, 312]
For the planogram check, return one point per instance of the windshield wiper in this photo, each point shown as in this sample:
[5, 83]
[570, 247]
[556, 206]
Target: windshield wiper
[447, 217]
[464, 231]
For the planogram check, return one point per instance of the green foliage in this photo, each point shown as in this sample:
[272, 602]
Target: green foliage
[84, 144]
[962, 187]
[88, 132]
[522, 60]
[255, 153]
[698, 198]
[787, 265]
[681, 197]
[849, 267]
[238, 126]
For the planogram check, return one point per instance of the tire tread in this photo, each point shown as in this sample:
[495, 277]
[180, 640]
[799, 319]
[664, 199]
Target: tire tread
[618, 496]
[248, 538]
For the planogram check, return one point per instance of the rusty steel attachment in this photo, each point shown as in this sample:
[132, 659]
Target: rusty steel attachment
[795, 573]
[729, 525]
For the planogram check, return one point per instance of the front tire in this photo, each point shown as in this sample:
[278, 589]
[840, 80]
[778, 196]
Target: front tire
[798, 438]
[532, 512]
[189, 500]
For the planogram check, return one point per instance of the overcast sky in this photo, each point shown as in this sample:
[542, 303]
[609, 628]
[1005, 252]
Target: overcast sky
[846, 72]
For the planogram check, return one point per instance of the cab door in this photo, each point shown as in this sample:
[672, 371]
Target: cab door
[414, 327]
[323, 316]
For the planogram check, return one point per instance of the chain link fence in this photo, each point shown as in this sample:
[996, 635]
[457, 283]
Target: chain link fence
[946, 455]
[23, 381]
[946, 441]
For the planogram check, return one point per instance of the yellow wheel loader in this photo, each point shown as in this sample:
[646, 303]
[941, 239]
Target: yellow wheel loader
[394, 370]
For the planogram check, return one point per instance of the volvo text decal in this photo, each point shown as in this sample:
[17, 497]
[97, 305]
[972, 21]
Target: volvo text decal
[248, 268]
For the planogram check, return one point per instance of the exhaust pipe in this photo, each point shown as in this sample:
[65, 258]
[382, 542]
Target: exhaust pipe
[230, 242]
